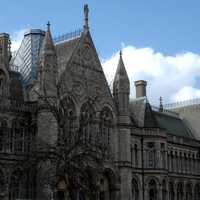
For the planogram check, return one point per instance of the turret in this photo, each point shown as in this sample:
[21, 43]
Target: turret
[5, 54]
[121, 91]
[121, 88]
[47, 73]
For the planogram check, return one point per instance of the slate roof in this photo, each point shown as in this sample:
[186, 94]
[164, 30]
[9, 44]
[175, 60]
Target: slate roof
[174, 125]
[65, 50]
[142, 115]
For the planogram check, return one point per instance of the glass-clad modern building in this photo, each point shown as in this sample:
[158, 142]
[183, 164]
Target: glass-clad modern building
[26, 58]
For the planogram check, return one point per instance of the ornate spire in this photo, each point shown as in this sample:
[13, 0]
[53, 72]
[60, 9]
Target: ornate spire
[86, 12]
[48, 45]
[121, 80]
[161, 104]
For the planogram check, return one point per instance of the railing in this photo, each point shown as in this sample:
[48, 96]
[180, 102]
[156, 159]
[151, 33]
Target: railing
[169, 112]
[182, 104]
[68, 36]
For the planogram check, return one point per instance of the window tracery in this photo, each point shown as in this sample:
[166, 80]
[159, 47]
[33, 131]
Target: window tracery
[106, 125]
[86, 122]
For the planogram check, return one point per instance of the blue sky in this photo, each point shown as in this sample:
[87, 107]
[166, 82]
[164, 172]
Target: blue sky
[155, 36]
[169, 26]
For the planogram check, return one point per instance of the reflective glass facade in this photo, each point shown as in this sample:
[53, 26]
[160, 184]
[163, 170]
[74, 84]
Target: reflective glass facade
[27, 55]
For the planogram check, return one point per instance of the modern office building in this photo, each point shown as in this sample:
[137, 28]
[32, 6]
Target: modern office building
[26, 57]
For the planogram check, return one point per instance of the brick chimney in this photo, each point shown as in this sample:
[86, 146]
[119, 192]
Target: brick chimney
[140, 87]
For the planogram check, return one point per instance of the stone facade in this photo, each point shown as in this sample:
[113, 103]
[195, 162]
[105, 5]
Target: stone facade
[156, 153]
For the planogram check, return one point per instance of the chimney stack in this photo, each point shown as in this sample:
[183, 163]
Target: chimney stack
[140, 87]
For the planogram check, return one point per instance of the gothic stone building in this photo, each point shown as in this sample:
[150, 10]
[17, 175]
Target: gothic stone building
[156, 151]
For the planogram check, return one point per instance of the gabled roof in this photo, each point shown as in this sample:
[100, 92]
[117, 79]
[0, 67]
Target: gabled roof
[142, 114]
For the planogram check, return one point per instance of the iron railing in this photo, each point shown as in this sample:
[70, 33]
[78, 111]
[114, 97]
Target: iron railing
[68, 36]
[182, 104]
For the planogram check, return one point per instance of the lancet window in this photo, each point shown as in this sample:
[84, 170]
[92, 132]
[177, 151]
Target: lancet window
[106, 125]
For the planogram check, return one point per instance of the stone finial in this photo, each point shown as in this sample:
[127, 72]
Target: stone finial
[161, 104]
[86, 12]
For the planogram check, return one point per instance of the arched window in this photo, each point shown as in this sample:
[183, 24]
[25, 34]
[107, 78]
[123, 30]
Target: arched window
[164, 190]
[151, 155]
[180, 191]
[135, 190]
[153, 192]
[188, 192]
[105, 125]
[70, 117]
[105, 193]
[171, 191]
[87, 121]
[3, 135]
[17, 185]
[180, 162]
[172, 161]
[185, 163]
[163, 159]
[197, 192]
[136, 155]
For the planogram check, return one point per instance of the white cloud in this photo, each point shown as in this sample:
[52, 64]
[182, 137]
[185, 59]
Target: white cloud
[16, 39]
[172, 77]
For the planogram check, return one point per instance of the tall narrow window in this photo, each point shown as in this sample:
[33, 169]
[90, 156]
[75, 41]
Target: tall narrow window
[152, 155]
[171, 191]
[164, 190]
[135, 190]
[87, 122]
[3, 134]
[163, 159]
[105, 125]
[136, 155]
[17, 136]
[153, 192]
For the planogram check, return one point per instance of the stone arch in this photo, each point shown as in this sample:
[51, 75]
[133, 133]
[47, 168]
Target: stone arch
[197, 191]
[104, 104]
[149, 178]
[135, 189]
[179, 192]
[188, 189]
[152, 190]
